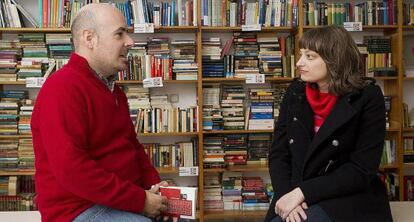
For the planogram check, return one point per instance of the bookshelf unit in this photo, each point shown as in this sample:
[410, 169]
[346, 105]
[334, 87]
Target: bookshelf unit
[392, 86]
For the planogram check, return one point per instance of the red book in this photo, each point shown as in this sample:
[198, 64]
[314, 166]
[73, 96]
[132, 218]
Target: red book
[181, 201]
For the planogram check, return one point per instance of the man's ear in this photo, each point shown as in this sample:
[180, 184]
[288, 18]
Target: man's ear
[89, 38]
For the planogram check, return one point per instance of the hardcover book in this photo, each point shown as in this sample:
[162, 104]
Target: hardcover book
[181, 201]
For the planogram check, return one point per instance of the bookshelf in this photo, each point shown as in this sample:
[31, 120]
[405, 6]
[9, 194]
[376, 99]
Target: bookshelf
[392, 86]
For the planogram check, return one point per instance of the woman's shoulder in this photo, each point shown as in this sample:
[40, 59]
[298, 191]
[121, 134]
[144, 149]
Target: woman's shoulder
[371, 88]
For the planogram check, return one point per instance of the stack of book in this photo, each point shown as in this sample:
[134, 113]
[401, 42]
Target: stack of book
[213, 199]
[213, 152]
[25, 116]
[246, 54]
[160, 60]
[138, 98]
[379, 60]
[180, 154]
[10, 53]
[235, 148]
[184, 67]
[232, 103]
[26, 155]
[212, 115]
[258, 148]
[254, 194]
[35, 55]
[232, 190]
[213, 65]
[270, 56]
[261, 109]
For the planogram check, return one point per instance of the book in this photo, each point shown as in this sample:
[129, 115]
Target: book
[181, 201]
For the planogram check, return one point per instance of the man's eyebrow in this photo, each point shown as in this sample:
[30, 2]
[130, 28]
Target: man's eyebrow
[123, 29]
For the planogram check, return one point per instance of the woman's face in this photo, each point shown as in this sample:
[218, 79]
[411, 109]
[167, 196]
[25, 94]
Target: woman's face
[312, 68]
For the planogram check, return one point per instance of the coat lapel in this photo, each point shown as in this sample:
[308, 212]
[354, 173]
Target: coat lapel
[340, 114]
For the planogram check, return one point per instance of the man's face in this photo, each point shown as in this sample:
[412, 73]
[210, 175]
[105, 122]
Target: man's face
[112, 44]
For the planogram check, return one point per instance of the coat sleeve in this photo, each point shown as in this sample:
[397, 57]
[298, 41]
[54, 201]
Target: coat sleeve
[358, 173]
[64, 136]
[280, 156]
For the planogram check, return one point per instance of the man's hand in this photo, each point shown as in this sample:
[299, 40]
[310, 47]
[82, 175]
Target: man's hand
[298, 214]
[288, 202]
[154, 204]
[156, 187]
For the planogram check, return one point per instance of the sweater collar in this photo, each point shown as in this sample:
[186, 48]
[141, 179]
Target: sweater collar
[80, 62]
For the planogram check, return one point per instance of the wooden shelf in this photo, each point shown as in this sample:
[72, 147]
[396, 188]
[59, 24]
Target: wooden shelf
[408, 130]
[234, 214]
[241, 168]
[239, 29]
[268, 79]
[17, 173]
[160, 29]
[408, 27]
[386, 78]
[15, 136]
[167, 170]
[409, 78]
[367, 27]
[236, 131]
[122, 82]
[388, 167]
[21, 30]
[12, 82]
[409, 165]
[168, 134]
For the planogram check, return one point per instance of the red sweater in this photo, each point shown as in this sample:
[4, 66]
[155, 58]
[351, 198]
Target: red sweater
[86, 150]
[321, 104]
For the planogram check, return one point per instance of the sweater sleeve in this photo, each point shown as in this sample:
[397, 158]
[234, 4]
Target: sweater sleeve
[64, 134]
[280, 156]
[358, 173]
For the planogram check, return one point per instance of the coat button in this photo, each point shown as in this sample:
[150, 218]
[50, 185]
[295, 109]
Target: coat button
[291, 141]
[295, 119]
[335, 142]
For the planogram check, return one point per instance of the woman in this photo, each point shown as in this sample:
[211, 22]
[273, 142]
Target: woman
[329, 137]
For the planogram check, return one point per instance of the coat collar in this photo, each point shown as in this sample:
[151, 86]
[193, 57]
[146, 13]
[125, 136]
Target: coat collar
[341, 113]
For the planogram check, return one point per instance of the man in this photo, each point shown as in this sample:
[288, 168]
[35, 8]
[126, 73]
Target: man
[89, 164]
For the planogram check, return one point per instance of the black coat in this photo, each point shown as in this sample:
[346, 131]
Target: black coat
[337, 167]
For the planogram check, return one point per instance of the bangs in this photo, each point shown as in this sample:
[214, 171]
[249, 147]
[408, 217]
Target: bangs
[313, 40]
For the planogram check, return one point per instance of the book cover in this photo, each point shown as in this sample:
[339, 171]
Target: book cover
[181, 201]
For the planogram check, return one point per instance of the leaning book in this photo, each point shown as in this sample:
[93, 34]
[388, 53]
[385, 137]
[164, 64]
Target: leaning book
[181, 201]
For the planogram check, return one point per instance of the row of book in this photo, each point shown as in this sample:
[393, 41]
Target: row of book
[233, 191]
[16, 155]
[336, 13]
[237, 111]
[17, 193]
[408, 13]
[237, 149]
[180, 154]
[154, 58]
[253, 53]
[392, 184]
[389, 152]
[273, 13]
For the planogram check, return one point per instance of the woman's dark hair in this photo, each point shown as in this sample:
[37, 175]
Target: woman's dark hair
[341, 55]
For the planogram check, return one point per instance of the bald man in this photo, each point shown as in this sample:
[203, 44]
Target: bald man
[89, 163]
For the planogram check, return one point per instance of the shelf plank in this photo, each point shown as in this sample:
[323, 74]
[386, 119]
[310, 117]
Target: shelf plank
[122, 82]
[408, 27]
[16, 136]
[239, 29]
[240, 168]
[12, 82]
[163, 170]
[409, 165]
[17, 173]
[234, 214]
[365, 27]
[169, 134]
[388, 167]
[268, 79]
[409, 78]
[409, 130]
[236, 131]
[21, 30]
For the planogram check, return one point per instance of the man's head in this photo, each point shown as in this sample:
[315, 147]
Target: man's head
[99, 33]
